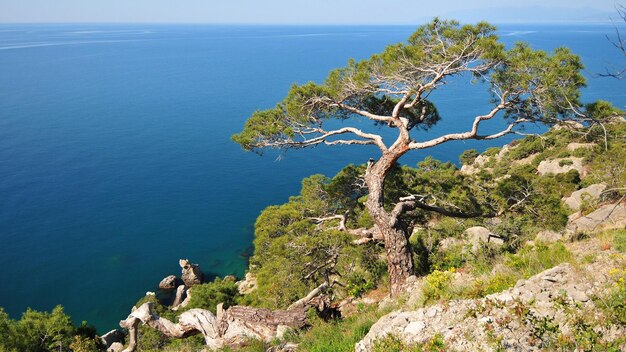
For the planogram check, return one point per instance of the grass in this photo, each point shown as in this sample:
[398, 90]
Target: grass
[338, 335]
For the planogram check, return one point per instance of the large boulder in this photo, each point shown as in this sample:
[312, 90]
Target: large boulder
[478, 235]
[568, 125]
[608, 216]
[191, 273]
[574, 146]
[560, 166]
[591, 193]
[168, 283]
[548, 236]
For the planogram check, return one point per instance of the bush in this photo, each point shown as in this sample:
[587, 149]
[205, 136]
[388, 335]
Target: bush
[565, 162]
[209, 295]
[619, 240]
[437, 285]
[527, 146]
[392, 343]
[468, 156]
[44, 331]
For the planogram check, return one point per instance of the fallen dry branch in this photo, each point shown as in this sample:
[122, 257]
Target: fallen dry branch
[229, 327]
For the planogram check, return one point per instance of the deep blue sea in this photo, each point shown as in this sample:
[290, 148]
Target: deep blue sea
[115, 151]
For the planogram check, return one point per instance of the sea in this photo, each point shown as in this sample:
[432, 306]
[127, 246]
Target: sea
[115, 151]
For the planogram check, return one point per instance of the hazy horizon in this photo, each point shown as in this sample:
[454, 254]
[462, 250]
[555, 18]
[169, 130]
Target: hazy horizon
[284, 12]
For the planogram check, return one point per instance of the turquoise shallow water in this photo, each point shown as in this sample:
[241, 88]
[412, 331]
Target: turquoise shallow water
[115, 157]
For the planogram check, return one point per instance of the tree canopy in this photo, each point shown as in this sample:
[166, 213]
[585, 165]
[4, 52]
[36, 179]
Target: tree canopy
[392, 88]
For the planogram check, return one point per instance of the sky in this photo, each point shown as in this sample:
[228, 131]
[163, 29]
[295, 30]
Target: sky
[303, 11]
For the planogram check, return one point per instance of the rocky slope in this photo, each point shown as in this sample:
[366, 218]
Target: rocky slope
[560, 305]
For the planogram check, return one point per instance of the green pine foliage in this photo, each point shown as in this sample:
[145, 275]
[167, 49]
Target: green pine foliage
[51, 331]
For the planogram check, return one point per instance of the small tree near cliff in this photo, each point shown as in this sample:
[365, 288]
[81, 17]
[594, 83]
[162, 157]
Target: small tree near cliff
[391, 89]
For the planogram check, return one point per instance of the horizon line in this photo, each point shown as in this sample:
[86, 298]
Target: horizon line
[291, 24]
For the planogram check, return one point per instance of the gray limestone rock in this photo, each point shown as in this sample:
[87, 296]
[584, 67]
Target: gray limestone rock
[591, 193]
[560, 166]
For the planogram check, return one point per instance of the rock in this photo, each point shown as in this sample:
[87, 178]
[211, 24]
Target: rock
[574, 146]
[505, 149]
[609, 216]
[526, 161]
[191, 273]
[548, 236]
[476, 166]
[568, 125]
[181, 294]
[470, 324]
[576, 294]
[448, 243]
[247, 285]
[168, 283]
[414, 327]
[115, 347]
[112, 336]
[281, 330]
[478, 234]
[560, 166]
[591, 193]
[617, 119]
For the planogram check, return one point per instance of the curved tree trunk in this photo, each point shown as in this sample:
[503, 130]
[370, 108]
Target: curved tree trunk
[399, 259]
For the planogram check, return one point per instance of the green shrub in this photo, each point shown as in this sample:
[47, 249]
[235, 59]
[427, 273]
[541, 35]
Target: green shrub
[496, 283]
[565, 162]
[437, 285]
[492, 151]
[619, 240]
[44, 331]
[209, 295]
[392, 343]
[527, 146]
[468, 156]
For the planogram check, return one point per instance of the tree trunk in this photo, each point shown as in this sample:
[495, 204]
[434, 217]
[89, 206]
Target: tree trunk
[399, 259]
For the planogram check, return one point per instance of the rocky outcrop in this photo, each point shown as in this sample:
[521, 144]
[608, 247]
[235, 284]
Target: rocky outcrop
[478, 235]
[525, 161]
[513, 319]
[168, 283]
[560, 166]
[608, 216]
[191, 273]
[247, 285]
[548, 236]
[181, 294]
[574, 146]
[112, 337]
[591, 193]
[568, 125]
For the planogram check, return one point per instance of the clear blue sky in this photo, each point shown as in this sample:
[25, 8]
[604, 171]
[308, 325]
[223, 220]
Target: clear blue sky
[303, 11]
